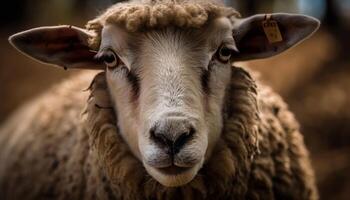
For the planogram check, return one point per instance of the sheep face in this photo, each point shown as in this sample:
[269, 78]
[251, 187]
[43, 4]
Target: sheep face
[168, 87]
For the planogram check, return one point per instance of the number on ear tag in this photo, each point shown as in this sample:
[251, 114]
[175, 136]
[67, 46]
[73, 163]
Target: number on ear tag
[271, 29]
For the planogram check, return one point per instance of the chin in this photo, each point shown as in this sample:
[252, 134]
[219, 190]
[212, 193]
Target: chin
[173, 176]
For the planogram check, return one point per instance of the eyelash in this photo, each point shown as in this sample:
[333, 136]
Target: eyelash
[224, 53]
[109, 57]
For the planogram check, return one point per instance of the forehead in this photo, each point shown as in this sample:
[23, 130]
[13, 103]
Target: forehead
[211, 33]
[157, 14]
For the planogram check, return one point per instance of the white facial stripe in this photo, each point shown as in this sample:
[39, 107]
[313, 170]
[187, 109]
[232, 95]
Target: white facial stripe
[172, 81]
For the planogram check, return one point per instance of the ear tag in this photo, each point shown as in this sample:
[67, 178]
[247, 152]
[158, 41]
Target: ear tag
[271, 29]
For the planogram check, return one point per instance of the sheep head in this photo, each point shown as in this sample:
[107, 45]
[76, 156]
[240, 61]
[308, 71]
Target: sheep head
[168, 66]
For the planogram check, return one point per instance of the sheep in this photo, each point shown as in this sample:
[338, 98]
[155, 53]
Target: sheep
[168, 115]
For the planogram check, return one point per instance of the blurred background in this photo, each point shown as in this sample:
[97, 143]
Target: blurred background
[314, 77]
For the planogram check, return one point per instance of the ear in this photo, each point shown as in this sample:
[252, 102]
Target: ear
[262, 36]
[65, 46]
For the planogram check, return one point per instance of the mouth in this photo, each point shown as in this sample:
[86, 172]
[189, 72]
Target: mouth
[173, 170]
[172, 175]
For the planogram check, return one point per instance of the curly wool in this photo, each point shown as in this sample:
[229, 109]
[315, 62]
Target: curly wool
[89, 160]
[138, 16]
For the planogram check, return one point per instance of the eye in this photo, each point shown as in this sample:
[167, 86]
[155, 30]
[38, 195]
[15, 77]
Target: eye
[224, 53]
[110, 58]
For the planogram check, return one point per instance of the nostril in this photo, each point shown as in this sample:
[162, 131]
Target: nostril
[182, 140]
[159, 137]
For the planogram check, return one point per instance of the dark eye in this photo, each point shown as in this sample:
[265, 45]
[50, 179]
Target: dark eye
[224, 54]
[110, 58]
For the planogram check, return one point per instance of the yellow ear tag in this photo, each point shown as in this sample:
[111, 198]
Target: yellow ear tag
[271, 29]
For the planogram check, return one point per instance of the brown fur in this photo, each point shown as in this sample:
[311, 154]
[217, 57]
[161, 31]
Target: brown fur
[54, 154]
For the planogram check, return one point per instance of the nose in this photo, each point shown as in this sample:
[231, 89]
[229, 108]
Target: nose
[172, 133]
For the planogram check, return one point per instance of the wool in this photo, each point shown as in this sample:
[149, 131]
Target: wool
[139, 16]
[70, 155]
